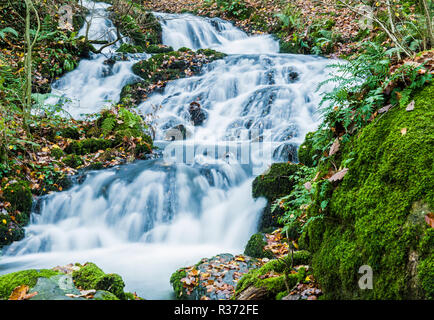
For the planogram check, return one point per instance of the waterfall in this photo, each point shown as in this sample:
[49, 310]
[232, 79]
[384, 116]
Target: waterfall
[144, 220]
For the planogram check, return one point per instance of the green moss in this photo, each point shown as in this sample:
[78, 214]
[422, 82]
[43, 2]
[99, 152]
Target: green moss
[70, 132]
[20, 197]
[86, 146]
[273, 285]
[372, 218]
[255, 247]
[175, 281]
[426, 276]
[112, 283]
[129, 48]
[155, 49]
[29, 278]
[104, 295]
[91, 276]
[57, 153]
[273, 184]
[307, 153]
[88, 275]
[9, 230]
[72, 161]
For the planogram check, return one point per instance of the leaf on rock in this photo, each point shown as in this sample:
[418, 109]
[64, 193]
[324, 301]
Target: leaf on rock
[339, 175]
[335, 147]
[20, 293]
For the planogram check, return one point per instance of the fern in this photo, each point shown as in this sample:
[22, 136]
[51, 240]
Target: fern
[108, 125]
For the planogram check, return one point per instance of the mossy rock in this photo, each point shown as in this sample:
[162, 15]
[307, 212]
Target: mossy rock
[273, 184]
[273, 285]
[20, 197]
[57, 153]
[255, 247]
[86, 146]
[175, 281]
[70, 133]
[374, 214]
[9, 230]
[129, 48]
[72, 160]
[308, 154]
[156, 49]
[29, 278]
[90, 276]
[104, 295]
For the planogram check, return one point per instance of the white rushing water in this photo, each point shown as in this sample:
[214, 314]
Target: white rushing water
[146, 219]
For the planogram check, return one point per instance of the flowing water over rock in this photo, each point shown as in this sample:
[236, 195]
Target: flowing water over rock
[146, 219]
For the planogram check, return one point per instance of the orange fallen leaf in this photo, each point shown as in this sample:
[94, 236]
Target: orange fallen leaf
[20, 293]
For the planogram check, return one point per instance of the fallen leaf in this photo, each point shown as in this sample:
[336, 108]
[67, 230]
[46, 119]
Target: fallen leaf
[403, 131]
[335, 147]
[20, 293]
[410, 106]
[429, 219]
[339, 175]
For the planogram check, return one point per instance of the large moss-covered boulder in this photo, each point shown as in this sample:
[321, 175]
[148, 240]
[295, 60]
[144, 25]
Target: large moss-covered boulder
[273, 184]
[376, 216]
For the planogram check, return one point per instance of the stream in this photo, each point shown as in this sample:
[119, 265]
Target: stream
[146, 219]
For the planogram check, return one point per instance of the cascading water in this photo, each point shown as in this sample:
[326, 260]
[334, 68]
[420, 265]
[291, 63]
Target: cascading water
[96, 82]
[145, 220]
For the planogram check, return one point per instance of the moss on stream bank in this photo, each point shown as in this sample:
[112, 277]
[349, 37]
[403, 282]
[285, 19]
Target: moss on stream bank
[376, 214]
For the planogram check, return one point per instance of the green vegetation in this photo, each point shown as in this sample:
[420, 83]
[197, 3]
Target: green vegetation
[272, 185]
[175, 281]
[272, 277]
[91, 277]
[255, 247]
[29, 278]
[376, 215]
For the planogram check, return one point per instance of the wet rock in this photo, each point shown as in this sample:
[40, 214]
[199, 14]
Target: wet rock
[293, 76]
[55, 288]
[197, 114]
[212, 279]
[179, 132]
[272, 185]
[286, 152]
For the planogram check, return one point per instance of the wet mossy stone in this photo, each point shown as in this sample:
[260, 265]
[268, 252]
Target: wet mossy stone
[10, 231]
[72, 161]
[255, 247]
[70, 132]
[20, 196]
[55, 288]
[372, 218]
[175, 281]
[29, 278]
[273, 184]
[87, 146]
[90, 276]
[57, 153]
[308, 154]
[104, 295]
[273, 285]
